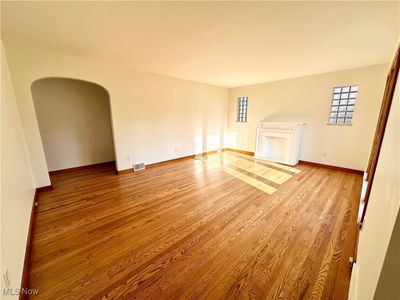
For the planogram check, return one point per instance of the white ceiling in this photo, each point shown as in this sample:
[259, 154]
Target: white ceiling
[221, 43]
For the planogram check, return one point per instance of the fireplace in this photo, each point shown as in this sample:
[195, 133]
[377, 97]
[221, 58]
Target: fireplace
[279, 141]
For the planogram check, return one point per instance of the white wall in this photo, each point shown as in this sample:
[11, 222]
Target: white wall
[155, 118]
[308, 99]
[388, 285]
[75, 122]
[383, 208]
[17, 187]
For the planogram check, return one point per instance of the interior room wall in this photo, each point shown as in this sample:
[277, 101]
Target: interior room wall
[74, 121]
[308, 99]
[17, 186]
[154, 118]
[388, 285]
[380, 217]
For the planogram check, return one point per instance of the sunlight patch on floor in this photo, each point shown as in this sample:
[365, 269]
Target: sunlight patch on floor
[249, 180]
[257, 169]
[239, 166]
[281, 166]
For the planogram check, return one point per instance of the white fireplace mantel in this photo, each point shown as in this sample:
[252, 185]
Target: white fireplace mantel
[279, 141]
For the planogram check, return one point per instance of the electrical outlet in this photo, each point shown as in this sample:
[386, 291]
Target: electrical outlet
[324, 154]
[128, 158]
[6, 278]
[176, 150]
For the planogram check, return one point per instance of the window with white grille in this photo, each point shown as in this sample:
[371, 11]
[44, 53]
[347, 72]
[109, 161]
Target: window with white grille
[243, 103]
[343, 102]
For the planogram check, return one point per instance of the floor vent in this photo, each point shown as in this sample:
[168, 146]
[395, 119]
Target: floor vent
[138, 167]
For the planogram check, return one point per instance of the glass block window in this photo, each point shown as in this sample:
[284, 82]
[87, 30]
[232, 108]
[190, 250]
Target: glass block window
[342, 107]
[243, 103]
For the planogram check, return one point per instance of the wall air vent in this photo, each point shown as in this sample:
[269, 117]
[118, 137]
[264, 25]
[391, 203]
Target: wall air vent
[138, 167]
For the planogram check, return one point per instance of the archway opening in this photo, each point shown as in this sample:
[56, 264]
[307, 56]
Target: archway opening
[74, 121]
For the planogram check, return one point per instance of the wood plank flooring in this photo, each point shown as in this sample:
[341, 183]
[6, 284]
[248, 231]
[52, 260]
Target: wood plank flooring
[222, 228]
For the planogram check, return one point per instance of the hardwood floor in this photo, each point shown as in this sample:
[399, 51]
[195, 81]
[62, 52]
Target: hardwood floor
[225, 227]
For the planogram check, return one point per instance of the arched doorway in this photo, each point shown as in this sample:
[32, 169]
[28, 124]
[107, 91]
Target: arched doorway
[74, 121]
